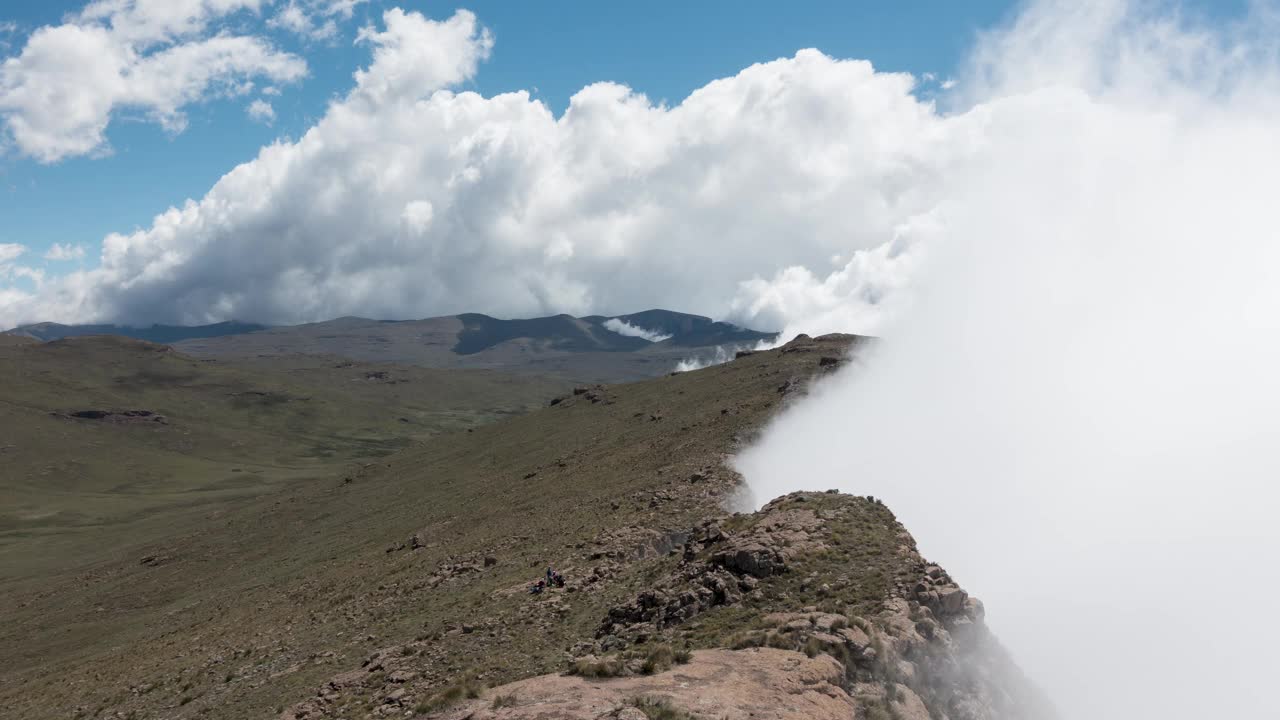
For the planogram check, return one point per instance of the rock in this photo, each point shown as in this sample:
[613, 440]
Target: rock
[828, 361]
[952, 599]
[490, 561]
[402, 676]
[758, 682]
[752, 559]
[856, 638]
[800, 625]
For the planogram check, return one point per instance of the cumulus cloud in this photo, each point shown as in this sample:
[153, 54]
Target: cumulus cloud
[622, 327]
[1074, 411]
[261, 111]
[410, 197]
[60, 93]
[59, 252]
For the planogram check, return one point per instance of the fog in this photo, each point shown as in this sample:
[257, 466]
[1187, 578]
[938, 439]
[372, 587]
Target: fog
[1076, 411]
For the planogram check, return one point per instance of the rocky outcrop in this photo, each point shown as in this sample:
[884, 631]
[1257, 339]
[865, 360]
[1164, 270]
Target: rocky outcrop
[922, 650]
[817, 606]
[755, 684]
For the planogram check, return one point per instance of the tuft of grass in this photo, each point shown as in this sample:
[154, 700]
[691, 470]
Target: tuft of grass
[465, 689]
[504, 701]
[659, 659]
[606, 667]
[813, 647]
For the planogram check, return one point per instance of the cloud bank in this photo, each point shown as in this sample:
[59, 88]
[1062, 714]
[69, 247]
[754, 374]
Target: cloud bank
[410, 198]
[1074, 411]
[156, 57]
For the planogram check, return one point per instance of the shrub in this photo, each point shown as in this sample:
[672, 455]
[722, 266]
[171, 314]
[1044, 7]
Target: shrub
[660, 658]
[503, 701]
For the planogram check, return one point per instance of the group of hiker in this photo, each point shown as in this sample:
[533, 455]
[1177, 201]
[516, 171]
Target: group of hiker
[553, 579]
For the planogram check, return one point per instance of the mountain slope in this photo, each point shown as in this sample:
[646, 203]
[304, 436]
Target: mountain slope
[394, 589]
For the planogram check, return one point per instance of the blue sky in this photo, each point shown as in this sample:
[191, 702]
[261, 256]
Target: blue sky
[554, 49]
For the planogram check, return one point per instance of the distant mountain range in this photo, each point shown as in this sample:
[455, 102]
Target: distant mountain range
[164, 334]
[596, 348]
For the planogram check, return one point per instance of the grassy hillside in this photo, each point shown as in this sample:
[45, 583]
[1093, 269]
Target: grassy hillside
[249, 609]
[108, 440]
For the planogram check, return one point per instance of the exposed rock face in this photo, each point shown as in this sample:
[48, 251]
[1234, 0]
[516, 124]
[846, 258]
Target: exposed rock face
[818, 607]
[755, 684]
[924, 652]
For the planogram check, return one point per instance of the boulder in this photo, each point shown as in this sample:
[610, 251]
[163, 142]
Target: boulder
[952, 599]
[751, 559]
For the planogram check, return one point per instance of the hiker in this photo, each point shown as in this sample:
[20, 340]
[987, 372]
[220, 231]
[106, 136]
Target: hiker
[551, 576]
[538, 587]
[557, 580]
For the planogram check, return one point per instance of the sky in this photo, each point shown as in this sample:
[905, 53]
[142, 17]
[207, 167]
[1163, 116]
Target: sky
[281, 161]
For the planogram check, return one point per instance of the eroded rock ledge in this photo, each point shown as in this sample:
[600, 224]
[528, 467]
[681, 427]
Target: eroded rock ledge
[817, 606]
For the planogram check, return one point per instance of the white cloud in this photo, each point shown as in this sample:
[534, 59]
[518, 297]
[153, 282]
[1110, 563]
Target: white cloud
[10, 252]
[622, 327]
[1074, 414]
[62, 253]
[58, 96]
[340, 8]
[261, 111]
[296, 19]
[10, 270]
[314, 19]
[7, 29]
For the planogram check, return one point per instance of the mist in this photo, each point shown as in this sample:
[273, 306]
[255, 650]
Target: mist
[1075, 410]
